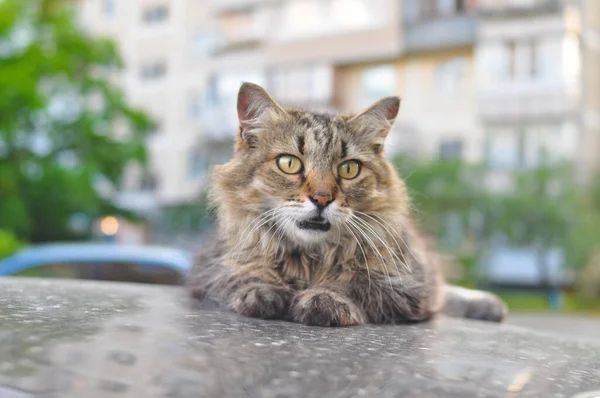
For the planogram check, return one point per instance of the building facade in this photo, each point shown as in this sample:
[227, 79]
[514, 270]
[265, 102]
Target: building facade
[537, 83]
[506, 82]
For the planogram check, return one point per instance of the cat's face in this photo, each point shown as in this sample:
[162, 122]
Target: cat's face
[309, 174]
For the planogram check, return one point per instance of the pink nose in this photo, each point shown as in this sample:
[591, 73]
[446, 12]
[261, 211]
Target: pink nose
[321, 199]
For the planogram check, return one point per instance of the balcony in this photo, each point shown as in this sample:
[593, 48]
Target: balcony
[518, 8]
[518, 105]
[242, 30]
[444, 32]
[225, 6]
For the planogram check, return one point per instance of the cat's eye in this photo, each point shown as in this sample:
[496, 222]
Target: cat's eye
[349, 169]
[289, 164]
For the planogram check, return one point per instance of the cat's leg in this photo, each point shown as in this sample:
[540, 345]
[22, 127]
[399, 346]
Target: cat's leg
[473, 304]
[252, 289]
[257, 292]
[396, 300]
[369, 297]
[326, 306]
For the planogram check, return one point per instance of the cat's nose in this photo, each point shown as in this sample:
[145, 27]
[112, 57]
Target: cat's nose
[321, 199]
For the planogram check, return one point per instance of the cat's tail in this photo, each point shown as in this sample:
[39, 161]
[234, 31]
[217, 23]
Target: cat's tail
[473, 304]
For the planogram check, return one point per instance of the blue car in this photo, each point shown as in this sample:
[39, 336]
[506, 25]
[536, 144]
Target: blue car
[100, 261]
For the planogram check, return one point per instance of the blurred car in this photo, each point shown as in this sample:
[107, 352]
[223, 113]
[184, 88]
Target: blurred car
[100, 261]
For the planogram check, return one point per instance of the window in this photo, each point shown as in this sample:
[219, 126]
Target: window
[204, 43]
[450, 76]
[148, 182]
[411, 10]
[377, 82]
[109, 8]
[211, 93]
[197, 166]
[153, 71]
[155, 14]
[429, 9]
[322, 17]
[301, 84]
[451, 149]
[523, 60]
[504, 149]
[196, 106]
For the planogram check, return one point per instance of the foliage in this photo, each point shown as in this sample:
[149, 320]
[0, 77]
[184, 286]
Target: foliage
[541, 208]
[442, 188]
[64, 127]
[9, 244]
[187, 218]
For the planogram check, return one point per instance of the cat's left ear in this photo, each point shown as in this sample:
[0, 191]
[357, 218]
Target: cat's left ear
[254, 106]
[379, 117]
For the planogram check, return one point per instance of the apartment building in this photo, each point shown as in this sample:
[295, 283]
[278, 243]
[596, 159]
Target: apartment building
[538, 87]
[434, 74]
[506, 82]
[163, 45]
[500, 81]
[291, 47]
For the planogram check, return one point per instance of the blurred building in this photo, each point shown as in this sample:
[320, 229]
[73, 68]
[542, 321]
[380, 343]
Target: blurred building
[500, 81]
[538, 82]
[433, 71]
[162, 48]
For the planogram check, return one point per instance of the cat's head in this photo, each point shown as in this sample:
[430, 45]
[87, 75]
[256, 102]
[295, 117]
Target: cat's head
[308, 174]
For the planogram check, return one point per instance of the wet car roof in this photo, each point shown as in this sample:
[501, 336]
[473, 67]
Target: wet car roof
[99, 339]
[96, 252]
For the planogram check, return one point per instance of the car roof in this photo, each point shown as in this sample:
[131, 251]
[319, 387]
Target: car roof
[151, 256]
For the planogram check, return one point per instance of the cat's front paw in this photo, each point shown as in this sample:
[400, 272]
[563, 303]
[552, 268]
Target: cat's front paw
[318, 307]
[261, 300]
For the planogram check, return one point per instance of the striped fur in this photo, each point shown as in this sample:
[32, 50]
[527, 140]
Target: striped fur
[371, 266]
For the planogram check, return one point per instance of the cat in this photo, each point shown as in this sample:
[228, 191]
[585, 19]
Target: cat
[314, 225]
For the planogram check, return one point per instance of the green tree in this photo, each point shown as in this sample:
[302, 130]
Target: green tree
[9, 244]
[449, 203]
[540, 211]
[543, 209]
[65, 128]
[443, 188]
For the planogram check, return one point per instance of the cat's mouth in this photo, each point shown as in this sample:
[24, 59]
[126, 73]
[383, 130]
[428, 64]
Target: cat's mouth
[315, 224]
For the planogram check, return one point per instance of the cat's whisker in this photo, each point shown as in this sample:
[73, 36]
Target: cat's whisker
[406, 245]
[404, 262]
[285, 224]
[260, 239]
[262, 220]
[254, 224]
[255, 220]
[360, 231]
[384, 243]
[282, 223]
[363, 253]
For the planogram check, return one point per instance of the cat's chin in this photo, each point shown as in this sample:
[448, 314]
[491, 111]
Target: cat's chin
[308, 236]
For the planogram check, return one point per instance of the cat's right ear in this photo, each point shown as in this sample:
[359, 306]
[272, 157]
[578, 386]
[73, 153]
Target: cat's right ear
[254, 104]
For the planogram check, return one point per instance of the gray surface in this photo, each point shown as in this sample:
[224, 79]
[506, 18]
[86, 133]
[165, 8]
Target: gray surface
[85, 339]
[564, 325]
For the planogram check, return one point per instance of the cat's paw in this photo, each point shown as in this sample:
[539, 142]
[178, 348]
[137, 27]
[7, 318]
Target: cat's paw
[486, 307]
[318, 307]
[261, 300]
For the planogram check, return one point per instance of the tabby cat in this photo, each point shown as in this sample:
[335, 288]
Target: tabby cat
[314, 225]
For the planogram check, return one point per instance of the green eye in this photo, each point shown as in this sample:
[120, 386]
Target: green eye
[349, 169]
[289, 164]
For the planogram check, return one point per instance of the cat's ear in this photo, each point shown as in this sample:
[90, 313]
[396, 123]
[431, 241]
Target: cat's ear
[254, 104]
[379, 117]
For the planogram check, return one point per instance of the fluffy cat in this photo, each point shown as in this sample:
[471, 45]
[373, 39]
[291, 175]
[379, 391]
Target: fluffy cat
[314, 225]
